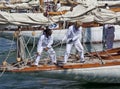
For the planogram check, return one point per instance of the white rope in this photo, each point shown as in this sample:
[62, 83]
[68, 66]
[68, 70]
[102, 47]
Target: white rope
[83, 34]
[33, 46]
[7, 57]
[3, 72]
[28, 40]
[10, 49]
[60, 48]
[88, 37]
[26, 47]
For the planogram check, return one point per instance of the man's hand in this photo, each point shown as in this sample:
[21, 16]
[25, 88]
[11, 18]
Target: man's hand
[38, 53]
[69, 40]
[46, 49]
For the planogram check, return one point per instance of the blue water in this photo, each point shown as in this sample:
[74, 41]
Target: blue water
[35, 81]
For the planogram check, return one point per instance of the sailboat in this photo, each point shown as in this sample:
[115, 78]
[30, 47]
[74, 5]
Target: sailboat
[89, 14]
[100, 66]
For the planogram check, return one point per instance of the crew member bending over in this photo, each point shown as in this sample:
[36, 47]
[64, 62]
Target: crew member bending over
[72, 38]
[45, 43]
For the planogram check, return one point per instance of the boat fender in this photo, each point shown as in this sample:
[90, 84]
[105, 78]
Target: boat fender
[4, 63]
[33, 33]
[16, 33]
[18, 59]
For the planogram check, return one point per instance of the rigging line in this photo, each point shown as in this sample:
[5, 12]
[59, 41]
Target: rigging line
[9, 49]
[7, 58]
[95, 49]
[19, 63]
[2, 72]
[108, 54]
[60, 47]
[60, 43]
[83, 35]
[60, 32]
[107, 51]
[33, 45]
[88, 38]
[25, 61]
[56, 44]
[28, 40]
[26, 47]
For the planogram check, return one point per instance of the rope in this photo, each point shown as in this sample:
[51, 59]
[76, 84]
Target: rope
[33, 45]
[28, 40]
[3, 72]
[95, 49]
[109, 54]
[60, 47]
[60, 43]
[57, 44]
[7, 58]
[83, 34]
[10, 50]
[26, 47]
[32, 57]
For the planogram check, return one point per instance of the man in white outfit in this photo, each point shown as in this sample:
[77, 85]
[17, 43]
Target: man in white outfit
[45, 42]
[72, 37]
[58, 5]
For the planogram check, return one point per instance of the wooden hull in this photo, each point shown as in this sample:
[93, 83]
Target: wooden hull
[95, 68]
[80, 72]
[93, 75]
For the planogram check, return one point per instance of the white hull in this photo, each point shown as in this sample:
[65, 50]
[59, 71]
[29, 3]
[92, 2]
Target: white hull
[94, 34]
[110, 74]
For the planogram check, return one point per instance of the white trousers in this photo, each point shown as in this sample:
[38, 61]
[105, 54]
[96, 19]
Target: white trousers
[51, 54]
[79, 48]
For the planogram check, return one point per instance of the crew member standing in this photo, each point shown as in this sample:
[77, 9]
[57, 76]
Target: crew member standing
[45, 43]
[72, 37]
[109, 35]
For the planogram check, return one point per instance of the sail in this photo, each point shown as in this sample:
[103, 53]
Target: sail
[78, 11]
[22, 18]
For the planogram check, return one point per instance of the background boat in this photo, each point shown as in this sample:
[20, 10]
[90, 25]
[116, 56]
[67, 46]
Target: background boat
[90, 35]
[88, 14]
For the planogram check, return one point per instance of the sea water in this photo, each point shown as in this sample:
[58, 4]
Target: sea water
[34, 80]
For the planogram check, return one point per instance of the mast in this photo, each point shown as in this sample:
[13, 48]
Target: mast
[41, 3]
[21, 54]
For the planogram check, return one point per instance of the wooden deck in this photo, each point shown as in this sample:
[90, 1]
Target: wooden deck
[117, 9]
[87, 64]
[91, 62]
[100, 59]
